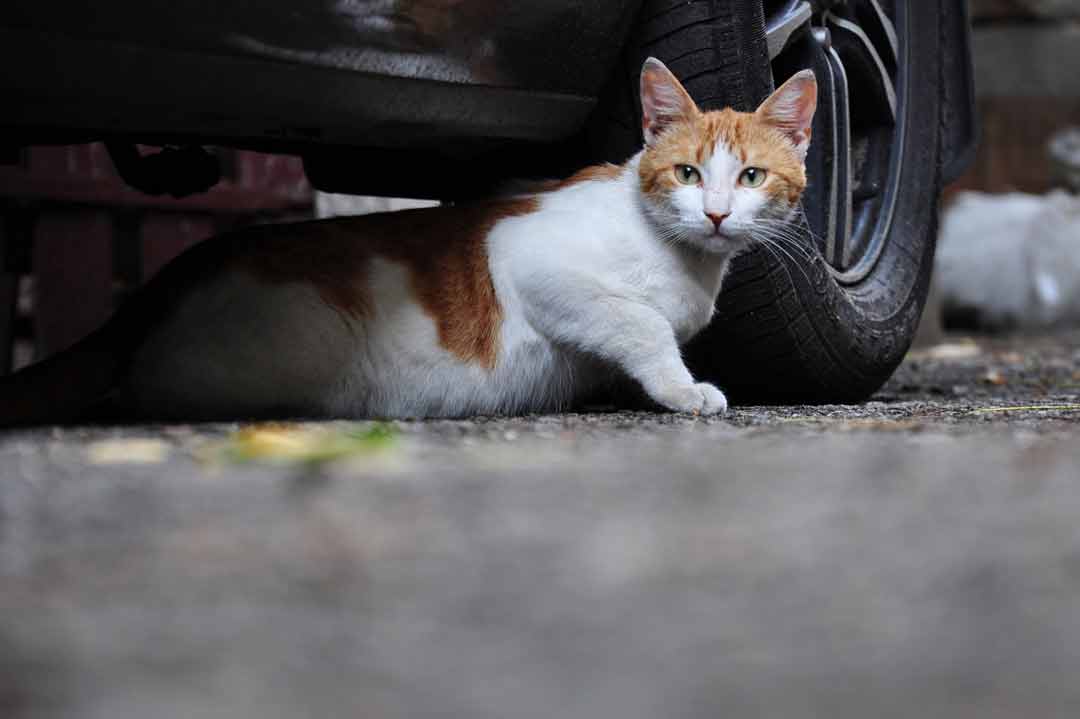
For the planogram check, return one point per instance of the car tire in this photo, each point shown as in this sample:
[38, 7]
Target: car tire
[794, 324]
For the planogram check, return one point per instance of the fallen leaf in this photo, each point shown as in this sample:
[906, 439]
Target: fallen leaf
[948, 351]
[309, 444]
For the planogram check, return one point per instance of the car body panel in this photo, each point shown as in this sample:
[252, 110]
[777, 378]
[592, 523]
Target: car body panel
[365, 89]
[353, 72]
[562, 47]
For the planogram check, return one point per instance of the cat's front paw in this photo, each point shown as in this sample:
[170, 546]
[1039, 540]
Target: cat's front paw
[700, 398]
[715, 401]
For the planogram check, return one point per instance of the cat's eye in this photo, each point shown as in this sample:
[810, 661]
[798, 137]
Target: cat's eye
[687, 174]
[752, 177]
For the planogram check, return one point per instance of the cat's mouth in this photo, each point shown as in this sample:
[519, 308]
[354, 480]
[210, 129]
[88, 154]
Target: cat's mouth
[721, 241]
[726, 234]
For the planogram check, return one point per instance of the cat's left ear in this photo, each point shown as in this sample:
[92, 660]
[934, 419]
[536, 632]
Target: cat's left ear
[663, 100]
[791, 109]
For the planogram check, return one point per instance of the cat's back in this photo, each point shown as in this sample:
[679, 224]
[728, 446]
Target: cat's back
[332, 257]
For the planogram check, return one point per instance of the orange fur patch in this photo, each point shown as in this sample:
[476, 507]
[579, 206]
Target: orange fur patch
[443, 248]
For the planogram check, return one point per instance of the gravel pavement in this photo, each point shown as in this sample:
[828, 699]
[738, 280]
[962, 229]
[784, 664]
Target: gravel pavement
[914, 556]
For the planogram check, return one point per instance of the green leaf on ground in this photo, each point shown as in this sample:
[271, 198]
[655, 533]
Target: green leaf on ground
[305, 443]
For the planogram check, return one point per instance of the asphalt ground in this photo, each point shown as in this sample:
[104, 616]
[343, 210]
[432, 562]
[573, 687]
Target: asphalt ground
[917, 555]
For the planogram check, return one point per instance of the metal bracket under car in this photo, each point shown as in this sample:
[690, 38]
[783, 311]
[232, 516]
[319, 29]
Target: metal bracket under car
[959, 132]
[959, 126]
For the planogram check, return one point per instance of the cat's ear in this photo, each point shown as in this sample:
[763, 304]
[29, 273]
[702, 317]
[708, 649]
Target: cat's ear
[663, 100]
[791, 109]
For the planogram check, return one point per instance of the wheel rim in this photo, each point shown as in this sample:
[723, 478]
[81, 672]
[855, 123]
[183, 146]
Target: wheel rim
[858, 51]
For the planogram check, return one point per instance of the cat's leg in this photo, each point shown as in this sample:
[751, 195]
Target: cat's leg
[636, 338]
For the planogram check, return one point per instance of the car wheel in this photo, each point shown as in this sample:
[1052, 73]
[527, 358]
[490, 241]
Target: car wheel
[827, 315]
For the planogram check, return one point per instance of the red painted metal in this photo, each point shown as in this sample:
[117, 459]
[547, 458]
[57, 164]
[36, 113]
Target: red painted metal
[73, 269]
[79, 202]
[83, 174]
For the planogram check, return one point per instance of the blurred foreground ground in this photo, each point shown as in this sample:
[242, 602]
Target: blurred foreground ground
[915, 556]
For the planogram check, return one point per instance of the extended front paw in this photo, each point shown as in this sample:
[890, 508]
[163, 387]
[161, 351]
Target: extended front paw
[699, 398]
[715, 401]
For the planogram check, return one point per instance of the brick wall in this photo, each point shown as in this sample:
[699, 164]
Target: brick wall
[1027, 56]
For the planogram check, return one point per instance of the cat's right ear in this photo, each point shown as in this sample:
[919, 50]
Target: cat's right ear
[663, 100]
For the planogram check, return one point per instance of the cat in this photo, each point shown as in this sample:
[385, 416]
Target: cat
[514, 305]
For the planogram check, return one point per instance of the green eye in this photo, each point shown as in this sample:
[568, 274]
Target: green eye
[752, 177]
[687, 174]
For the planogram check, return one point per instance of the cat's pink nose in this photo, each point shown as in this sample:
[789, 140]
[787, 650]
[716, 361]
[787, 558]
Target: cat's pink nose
[717, 219]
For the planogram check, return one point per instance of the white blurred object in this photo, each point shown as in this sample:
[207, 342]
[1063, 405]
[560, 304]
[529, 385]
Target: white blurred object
[1010, 260]
[330, 204]
[1064, 149]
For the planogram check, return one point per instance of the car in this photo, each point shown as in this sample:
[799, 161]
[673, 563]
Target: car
[448, 99]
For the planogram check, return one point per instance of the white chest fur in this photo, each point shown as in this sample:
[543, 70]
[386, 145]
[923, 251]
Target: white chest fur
[591, 244]
[588, 277]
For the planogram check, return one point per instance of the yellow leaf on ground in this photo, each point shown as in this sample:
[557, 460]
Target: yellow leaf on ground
[315, 443]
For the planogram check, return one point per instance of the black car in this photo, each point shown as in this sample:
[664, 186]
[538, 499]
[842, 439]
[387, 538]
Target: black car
[448, 98]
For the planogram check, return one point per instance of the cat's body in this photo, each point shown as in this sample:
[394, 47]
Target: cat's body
[516, 305]
[422, 331]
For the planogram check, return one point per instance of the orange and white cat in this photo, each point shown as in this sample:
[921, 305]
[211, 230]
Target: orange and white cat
[516, 305]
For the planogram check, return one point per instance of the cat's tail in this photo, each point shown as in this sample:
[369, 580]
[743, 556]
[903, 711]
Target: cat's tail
[65, 386]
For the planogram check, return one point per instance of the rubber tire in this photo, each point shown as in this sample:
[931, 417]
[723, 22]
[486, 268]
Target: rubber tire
[786, 334]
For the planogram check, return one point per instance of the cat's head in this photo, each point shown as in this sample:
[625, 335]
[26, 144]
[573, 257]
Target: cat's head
[714, 179]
